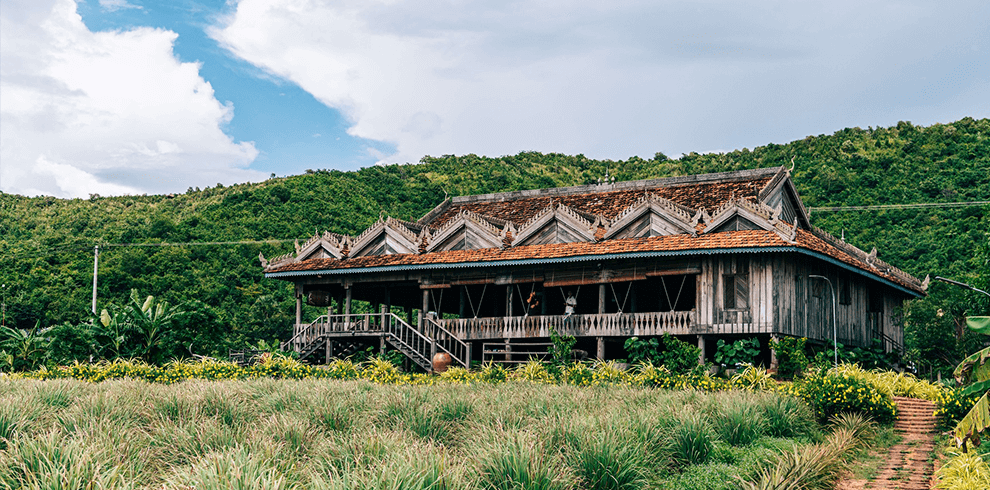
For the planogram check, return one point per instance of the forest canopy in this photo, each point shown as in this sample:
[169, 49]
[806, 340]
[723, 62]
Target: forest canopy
[46, 244]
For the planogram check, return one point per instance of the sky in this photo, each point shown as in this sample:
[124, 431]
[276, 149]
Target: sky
[116, 97]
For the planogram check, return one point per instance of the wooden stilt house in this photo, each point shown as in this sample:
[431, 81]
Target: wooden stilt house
[488, 277]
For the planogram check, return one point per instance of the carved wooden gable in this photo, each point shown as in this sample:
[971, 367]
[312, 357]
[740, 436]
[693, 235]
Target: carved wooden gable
[555, 224]
[385, 237]
[321, 247]
[743, 214]
[466, 231]
[651, 216]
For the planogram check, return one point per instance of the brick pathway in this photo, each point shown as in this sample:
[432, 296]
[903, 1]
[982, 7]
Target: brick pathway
[909, 464]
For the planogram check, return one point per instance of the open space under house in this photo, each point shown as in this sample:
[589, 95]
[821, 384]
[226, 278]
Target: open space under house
[488, 277]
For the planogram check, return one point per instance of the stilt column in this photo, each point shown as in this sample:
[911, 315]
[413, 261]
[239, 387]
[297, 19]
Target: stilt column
[600, 354]
[701, 345]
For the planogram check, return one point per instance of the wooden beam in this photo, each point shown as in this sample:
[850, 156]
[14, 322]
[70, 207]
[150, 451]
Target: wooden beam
[674, 272]
[595, 280]
[434, 286]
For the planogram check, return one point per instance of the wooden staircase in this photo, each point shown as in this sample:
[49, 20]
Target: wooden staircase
[352, 332]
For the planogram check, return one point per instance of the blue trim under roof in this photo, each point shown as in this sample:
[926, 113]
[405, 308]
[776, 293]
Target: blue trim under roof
[590, 258]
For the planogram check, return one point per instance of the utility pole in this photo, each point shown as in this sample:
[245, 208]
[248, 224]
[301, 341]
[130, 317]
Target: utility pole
[835, 336]
[96, 270]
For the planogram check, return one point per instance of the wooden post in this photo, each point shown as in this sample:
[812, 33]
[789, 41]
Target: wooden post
[424, 310]
[467, 355]
[601, 299]
[381, 345]
[329, 350]
[600, 355]
[347, 305]
[508, 351]
[460, 308]
[298, 306]
[701, 345]
[508, 300]
[773, 353]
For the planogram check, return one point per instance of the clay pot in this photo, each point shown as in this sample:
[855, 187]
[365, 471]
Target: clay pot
[441, 361]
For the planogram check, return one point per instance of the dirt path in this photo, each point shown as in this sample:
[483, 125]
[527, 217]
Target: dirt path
[909, 464]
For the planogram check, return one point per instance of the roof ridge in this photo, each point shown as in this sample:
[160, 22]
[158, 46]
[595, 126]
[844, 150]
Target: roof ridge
[733, 175]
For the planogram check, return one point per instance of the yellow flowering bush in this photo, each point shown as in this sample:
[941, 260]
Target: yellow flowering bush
[834, 391]
[608, 373]
[951, 406]
[534, 371]
[457, 374]
[493, 373]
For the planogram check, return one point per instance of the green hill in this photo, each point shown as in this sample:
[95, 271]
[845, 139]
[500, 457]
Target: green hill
[46, 244]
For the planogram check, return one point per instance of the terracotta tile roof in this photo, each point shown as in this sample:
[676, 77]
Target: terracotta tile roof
[708, 241]
[708, 195]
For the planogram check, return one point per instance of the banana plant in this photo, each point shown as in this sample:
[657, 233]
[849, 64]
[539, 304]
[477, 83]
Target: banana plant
[27, 347]
[974, 371]
[115, 329]
[151, 317]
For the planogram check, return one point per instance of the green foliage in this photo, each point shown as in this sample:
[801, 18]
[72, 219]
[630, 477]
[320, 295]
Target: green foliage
[560, 351]
[832, 392]
[691, 441]
[963, 471]
[639, 350]
[678, 356]
[742, 351]
[25, 348]
[791, 359]
[47, 243]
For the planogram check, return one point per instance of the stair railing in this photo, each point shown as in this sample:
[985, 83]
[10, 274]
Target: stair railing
[308, 333]
[407, 336]
[448, 342]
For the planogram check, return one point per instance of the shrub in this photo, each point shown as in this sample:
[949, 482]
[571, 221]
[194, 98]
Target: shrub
[791, 359]
[833, 392]
[951, 405]
[493, 373]
[753, 378]
[380, 370]
[534, 371]
[680, 357]
[742, 351]
[607, 373]
[561, 348]
[457, 374]
[577, 374]
[656, 376]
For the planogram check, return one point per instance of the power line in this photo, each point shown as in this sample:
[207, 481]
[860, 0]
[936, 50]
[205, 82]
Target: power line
[86, 246]
[900, 206]
[191, 244]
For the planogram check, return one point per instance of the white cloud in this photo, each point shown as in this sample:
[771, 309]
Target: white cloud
[615, 79]
[114, 5]
[105, 112]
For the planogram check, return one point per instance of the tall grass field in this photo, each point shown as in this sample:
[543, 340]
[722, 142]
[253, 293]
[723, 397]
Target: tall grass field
[329, 434]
